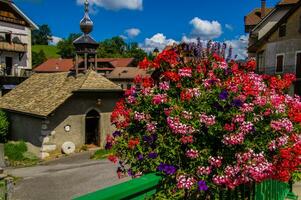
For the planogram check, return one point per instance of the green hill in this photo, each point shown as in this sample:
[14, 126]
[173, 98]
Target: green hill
[50, 51]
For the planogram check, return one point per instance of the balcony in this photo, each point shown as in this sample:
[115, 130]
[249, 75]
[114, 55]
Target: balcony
[13, 47]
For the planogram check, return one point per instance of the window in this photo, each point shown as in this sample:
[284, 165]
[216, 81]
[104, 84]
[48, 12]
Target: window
[279, 63]
[282, 30]
[300, 24]
[8, 37]
[260, 62]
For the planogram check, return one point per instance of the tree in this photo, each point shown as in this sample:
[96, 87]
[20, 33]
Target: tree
[116, 47]
[42, 35]
[136, 52]
[66, 48]
[4, 124]
[112, 48]
[38, 58]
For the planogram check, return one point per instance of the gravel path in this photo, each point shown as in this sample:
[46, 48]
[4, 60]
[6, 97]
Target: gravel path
[64, 178]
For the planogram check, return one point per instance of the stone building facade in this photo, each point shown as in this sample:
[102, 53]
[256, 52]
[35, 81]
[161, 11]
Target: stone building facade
[61, 110]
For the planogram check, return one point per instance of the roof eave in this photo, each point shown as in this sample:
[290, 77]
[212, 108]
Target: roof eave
[25, 113]
[265, 17]
[33, 25]
[99, 90]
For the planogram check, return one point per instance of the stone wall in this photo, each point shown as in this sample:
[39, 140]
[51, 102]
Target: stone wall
[46, 136]
[72, 113]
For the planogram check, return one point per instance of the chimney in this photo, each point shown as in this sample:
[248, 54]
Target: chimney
[263, 8]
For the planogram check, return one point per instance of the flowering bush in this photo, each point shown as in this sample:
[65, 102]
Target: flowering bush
[206, 123]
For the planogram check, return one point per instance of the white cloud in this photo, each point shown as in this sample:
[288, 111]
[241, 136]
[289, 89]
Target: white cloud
[115, 4]
[55, 40]
[239, 46]
[229, 27]
[132, 32]
[158, 40]
[205, 29]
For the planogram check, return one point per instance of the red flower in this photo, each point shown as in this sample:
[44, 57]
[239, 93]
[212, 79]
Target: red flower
[133, 143]
[112, 158]
[250, 65]
[172, 76]
[185, 95]
[187, 139]
[121, 115]
[167, 56]
[229, 127]
[147, 82]
[138, 79]
[144, 64]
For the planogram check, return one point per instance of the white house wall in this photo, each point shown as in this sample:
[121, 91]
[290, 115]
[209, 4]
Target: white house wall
[24, 34]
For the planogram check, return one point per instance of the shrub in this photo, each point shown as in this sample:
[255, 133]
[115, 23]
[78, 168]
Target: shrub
[101, 154]
[4, 125]
[15, 150]
[206, 124]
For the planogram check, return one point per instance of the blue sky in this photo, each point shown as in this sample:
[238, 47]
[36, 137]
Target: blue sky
[149, 22]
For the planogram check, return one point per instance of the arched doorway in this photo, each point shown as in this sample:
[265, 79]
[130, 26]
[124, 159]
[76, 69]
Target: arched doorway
[92, 128]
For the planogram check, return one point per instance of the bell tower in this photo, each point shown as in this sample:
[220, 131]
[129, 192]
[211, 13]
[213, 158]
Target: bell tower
[85, 45]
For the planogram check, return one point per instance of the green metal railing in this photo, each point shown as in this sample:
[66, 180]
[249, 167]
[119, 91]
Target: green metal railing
[140, 188]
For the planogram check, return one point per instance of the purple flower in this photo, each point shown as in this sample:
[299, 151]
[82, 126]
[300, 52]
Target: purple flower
[117, 134]
[167, 169]
[237, 103]
[108, 146]
[130, 173]
[161, 167]
[140, 157]
[202, 186]
[153, 155]
[150, 139]
[170, 170]
[223, 95]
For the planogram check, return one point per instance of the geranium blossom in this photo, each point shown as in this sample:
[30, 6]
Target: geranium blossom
[204, 122]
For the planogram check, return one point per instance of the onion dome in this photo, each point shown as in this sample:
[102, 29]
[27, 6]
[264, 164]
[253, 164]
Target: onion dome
[86, 24]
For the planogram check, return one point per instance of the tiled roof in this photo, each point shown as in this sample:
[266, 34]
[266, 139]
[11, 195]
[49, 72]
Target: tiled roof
[286, 2]
[43, 93]
[65, 65]
[254, 17]
[55, 65]
[127, 73]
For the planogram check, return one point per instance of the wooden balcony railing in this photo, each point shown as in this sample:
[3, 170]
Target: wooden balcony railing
[13, 47]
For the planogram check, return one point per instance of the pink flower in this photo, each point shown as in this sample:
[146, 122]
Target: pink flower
[215, 161]
[179, 128]
[282, 125]
[131, 99]
[151, 127]
[203, 170]
[185, 72]
[247, 107]
[207, 120]
[192, 153]
[233, 139]
[187, 115]
[184, 182]
[159, 99]
[164, 86]
[239, 118]
[139, 116]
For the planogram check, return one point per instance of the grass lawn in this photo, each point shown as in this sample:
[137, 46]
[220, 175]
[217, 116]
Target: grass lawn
[101, 154]
[50, 51]
[18, 156]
